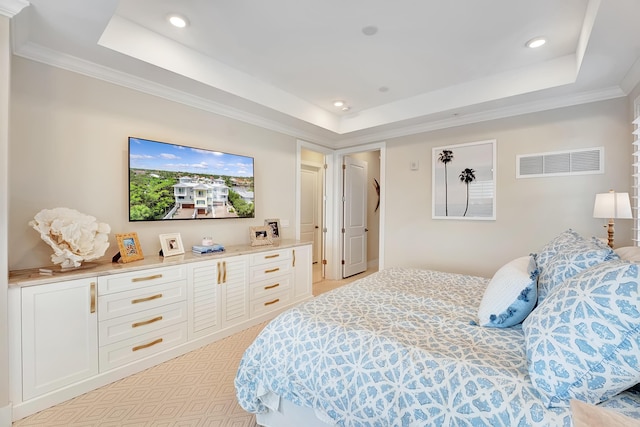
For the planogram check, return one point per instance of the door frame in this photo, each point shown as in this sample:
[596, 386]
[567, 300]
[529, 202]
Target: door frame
[328, 188]
[332, 217]
[339, 159]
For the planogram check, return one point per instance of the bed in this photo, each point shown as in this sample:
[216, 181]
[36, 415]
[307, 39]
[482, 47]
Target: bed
[408, 347]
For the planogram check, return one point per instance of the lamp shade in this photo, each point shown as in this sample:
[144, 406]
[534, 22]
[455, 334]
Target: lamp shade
[612, 205]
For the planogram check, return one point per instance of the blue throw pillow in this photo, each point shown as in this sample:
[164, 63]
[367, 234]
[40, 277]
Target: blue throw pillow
[510, 295]
[567, 255]
[583, 341]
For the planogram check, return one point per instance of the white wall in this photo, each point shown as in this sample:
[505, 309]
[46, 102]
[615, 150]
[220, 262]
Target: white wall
[69, 148]
[529, 211]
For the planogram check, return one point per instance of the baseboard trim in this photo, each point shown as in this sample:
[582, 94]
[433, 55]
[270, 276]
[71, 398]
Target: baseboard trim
[5, 416]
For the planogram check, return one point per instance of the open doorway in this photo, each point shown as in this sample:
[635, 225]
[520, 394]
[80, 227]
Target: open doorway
[311, 206]
[360, 212]
[331, 241]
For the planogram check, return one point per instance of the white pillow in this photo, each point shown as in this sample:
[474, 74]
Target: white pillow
[510, 295]
[629, 253]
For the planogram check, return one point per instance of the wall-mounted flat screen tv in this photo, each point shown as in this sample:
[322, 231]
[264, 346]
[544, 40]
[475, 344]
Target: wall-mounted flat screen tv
[170, 181]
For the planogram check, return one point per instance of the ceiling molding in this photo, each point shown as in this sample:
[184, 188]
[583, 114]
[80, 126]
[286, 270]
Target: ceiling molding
[50, 57]
[484, 116]
[74, 64]
[11, 8]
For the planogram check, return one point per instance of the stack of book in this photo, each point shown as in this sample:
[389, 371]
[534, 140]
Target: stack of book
[199, 249]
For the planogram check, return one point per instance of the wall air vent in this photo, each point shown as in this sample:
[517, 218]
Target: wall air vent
[559, 163]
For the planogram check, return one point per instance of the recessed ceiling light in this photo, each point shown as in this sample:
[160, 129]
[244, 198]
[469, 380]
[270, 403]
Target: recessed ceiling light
[346, 108]
[369, 30]
[338, 103]
[178, 20]
[536, 42]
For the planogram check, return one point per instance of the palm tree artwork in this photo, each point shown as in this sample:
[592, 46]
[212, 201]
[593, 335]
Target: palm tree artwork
[445, 157]
[467, 176]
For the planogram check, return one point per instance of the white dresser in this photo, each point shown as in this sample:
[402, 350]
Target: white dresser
[73, 332]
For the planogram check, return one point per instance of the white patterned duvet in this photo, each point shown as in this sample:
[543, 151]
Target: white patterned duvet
[399, 348]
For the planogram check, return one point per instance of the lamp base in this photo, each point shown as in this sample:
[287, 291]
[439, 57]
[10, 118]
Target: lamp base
[610, 231]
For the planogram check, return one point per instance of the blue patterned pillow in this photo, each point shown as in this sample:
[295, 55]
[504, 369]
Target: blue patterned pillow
[583, 341]
[567, 255]
[510, 295]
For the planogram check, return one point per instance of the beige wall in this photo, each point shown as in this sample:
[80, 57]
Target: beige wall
[69, 148]
[5, 64]
[529, 211]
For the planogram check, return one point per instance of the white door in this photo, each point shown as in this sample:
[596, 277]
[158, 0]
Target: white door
[310, 220]
[354, 259]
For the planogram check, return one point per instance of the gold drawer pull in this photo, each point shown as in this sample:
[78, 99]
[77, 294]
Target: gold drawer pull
[294, 258]
[146, 322]
[143, 346]
[272, 286]
[92, 305]
[219, 272]
[271, 256]
[152, 297]
[273, 270]
[143, 279]
[224, 275]
[272, 302]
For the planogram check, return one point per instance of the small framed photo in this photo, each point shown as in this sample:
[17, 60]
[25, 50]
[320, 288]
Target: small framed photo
[171, 244]
[274, 225]
[260, 236]
[129, 246]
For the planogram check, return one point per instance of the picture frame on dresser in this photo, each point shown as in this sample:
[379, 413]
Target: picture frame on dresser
[171, 244]
[129, 246]
[274, 225]
[260, 236]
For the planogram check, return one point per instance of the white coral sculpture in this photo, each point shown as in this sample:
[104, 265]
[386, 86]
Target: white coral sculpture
[74, 236]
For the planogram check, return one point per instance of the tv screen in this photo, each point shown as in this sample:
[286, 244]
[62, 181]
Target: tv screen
[170, 181]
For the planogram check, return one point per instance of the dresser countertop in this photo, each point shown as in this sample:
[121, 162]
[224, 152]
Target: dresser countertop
[104, 266]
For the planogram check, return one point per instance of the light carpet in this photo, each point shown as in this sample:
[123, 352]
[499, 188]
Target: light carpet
[195, 389]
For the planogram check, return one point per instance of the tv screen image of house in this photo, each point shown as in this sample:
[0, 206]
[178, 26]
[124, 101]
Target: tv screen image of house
[170, 181]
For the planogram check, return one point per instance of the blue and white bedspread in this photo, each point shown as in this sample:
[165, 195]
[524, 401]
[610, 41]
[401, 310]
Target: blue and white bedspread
[397, 348]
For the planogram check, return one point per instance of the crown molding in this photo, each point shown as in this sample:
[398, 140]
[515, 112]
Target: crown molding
[11, 8]
[38, 53]
[484, 116]
[47, 56]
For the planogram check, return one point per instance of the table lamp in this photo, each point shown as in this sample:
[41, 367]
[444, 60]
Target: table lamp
[612, 205]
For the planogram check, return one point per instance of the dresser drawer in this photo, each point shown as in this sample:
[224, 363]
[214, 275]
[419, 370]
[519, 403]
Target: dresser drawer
[266, 288]
[144, 278]
[270, 270]
[270, 303]
[136, 300]
[130, 350]
[271, 256]
[132, 325]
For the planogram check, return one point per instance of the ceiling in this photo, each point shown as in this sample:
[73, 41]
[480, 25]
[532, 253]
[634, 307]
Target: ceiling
[281, 64]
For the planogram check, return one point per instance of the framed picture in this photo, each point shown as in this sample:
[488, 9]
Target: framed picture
[171, 244]
[260, 236]
[464, 181]
[274, 225]
[129, 247]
